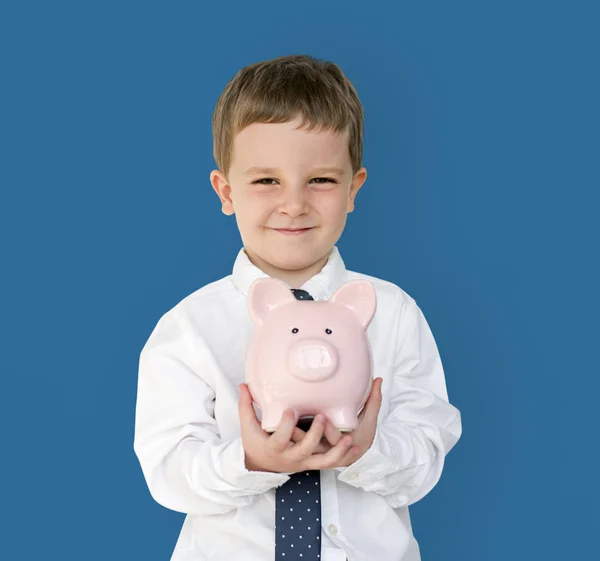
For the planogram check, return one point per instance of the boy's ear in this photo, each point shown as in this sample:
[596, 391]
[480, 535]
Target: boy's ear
[357, 182]
[223, 190]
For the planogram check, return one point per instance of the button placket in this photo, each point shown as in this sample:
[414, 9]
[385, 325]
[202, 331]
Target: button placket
[330, 511]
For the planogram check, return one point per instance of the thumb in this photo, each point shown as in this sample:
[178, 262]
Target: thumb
[371, 409]
[246, 410]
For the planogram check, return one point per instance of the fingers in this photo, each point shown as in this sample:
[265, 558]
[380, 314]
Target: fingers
[331, 458]
[298, 435]
[310, 441]
[351, 456]
[323, 446]
[333, 434]
[280, 439]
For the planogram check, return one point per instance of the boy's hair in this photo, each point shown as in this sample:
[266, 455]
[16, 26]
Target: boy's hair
[278, 91]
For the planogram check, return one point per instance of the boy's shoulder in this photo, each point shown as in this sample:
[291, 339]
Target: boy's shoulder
[213, 293]
[206, 300]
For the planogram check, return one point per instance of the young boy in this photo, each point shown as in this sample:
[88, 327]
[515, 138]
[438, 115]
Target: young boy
[288, 145]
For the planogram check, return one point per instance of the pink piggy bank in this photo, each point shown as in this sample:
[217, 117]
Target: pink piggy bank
[310, 356]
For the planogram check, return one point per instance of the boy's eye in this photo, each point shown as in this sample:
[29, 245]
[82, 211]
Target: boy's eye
[267, 180]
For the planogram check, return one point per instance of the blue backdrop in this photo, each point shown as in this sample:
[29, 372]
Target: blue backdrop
[482, 148]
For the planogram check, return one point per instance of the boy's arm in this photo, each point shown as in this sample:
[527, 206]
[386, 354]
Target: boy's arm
[419, 427]
[187, 466]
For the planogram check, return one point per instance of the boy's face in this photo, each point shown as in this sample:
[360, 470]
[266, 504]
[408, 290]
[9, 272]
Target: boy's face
[291, 216]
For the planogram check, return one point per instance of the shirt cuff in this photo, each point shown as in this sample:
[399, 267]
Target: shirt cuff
[233, 468]
[370, 467]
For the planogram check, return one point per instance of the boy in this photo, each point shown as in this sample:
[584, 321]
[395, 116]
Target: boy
[288, 145]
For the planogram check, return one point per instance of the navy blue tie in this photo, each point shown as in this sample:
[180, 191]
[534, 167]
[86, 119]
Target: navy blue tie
[298, 507]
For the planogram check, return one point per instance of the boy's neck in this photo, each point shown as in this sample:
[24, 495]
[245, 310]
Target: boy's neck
[293, 278]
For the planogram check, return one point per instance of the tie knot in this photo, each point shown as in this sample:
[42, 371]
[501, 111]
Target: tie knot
[301, 294]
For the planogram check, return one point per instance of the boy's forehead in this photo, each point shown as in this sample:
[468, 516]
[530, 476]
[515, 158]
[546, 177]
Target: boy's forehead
[264, 147]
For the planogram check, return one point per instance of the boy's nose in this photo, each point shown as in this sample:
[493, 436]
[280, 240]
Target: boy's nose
[293, 203]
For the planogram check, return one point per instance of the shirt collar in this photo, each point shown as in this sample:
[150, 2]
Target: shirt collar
[321, 286]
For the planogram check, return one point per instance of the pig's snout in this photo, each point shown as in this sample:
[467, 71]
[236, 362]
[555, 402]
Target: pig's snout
[313, 360]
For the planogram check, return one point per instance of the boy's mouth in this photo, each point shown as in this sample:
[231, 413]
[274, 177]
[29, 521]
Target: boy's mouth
[292, 231]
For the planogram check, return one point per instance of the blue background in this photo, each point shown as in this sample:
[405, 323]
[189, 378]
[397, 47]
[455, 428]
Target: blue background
[482, 146]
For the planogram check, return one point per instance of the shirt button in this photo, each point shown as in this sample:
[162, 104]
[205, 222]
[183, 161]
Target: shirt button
[333, 529]
[353, 475]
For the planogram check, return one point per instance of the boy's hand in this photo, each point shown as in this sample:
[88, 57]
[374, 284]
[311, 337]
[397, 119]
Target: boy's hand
[363, 435]
[279, 452]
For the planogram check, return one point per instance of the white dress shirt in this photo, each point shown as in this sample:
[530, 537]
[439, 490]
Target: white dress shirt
[187, 430]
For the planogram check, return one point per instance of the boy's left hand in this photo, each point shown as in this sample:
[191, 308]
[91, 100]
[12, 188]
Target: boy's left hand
[362, 436]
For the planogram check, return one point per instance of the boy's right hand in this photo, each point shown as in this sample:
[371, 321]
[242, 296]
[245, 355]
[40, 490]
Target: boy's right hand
[278, 452]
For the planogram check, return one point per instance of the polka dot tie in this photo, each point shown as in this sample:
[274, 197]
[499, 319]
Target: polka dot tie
[298, 507]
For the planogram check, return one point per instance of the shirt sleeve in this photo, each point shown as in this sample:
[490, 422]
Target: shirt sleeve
[419, 426]
[187, 466]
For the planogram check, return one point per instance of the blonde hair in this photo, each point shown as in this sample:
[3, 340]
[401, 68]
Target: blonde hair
[278, 91]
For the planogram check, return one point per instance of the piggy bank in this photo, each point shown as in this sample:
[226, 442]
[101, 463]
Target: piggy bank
[310, 356]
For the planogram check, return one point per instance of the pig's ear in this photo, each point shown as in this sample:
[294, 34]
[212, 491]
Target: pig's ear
[266, 294]
[359, 296]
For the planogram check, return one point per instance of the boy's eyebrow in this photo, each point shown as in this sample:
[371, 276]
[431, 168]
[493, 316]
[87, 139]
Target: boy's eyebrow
[259, 170]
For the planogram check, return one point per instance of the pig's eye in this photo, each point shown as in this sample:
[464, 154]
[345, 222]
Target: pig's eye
[328, 331]
[295, 330]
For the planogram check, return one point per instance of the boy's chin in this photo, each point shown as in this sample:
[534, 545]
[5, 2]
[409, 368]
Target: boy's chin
[297, 258]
